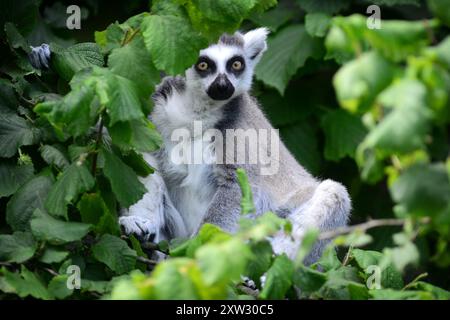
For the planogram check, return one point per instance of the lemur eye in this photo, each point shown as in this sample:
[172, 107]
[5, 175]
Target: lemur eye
[237, 65]
[203, 66]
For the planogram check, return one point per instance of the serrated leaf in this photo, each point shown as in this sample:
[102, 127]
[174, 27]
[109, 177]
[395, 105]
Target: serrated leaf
[422, 189]
[308, 280]
[171, 51]
[317, 24]
[15, 132]
[12, 177]
[29, 197]
[404, 128]
[390, 277]
[75, 58]
[115, 253]
[17, 247]
[343, 133]
[124, 181]
[140, 134]
[261, 260]
[93, 210]
[57, 287]
[53, 255]
[74, 180]
[229, 12]
[133, 62]
[54, 156]
[278, 278]
[222, 262]
[45, 227]
[27, 283]
[287, 51]
[359, 82]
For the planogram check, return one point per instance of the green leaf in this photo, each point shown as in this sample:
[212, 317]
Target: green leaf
[137, 162]
[13, 176]
[74, 180]
[287, 51]
[423, 189]
[69, 61]
[29, 197]
[18, 247]
[437, 292]
[115, 253]
[261, 260]
[93, 210]
[308, 280]
[27, 283]
[274, 18]
[54, 156]
[326, 6]
[47, 228]
[222, 262]
[123, 100]
[390, 294]
[124, 181]
[343, 133]
[317, 24]
[359, 82]
[171, 51]
[247, 204]
[398, 39]
[177, 279]
[57, 287]
[404, 128]
[329, 260]
[15, 39]
[228, 12]
[390, 277]
[140, 134]
[133, 62]
[53, 255]
[263, 226]
[15, 132]
[440, 9]
[75, 113]
[278, 278]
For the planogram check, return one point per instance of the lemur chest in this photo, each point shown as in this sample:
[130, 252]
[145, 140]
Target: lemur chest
[190, 179]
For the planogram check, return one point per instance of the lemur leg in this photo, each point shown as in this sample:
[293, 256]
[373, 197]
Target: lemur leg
[154, 215]
[329, 208]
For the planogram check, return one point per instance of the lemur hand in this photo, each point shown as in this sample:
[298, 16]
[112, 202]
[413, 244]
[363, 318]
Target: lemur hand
[40, 56]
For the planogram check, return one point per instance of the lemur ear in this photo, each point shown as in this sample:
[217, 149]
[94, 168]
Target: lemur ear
[255, 43]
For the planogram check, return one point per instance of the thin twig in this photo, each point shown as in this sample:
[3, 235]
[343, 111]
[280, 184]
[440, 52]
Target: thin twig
[97, 144]
[147, 261]
[52, 272]
[365, 226]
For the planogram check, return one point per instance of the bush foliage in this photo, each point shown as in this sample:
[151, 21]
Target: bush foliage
[369, 107]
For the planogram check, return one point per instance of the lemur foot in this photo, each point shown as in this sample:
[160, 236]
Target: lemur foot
[167, 85]
[40, 56]
[142, 228]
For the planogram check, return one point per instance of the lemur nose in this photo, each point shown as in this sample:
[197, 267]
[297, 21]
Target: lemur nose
[221, 88]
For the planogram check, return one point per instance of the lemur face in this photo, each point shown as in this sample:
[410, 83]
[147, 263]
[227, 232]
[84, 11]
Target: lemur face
[225, 70]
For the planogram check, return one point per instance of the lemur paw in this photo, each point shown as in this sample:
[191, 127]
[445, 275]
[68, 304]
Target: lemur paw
[142, 228]
[167, 85]
[40, 56]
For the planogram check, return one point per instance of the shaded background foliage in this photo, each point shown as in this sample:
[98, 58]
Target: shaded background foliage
[320, 83]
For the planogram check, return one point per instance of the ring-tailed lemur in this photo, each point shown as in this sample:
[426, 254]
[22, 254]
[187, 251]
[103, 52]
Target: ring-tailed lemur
[181, 197]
